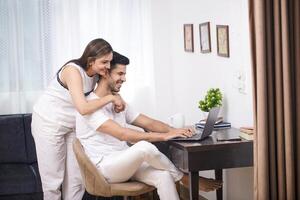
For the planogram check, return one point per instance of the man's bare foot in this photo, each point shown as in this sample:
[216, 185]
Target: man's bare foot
[205, 184]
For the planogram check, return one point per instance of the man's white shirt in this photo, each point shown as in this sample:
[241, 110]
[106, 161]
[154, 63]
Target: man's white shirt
[98, 144]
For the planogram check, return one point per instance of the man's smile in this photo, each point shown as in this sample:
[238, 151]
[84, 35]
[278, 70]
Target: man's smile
[119, 83]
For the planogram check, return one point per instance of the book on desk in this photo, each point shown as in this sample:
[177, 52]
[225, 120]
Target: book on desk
[246, 133]
[219, 125]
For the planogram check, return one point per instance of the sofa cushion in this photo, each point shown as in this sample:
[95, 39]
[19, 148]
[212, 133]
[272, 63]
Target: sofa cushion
[35, 170]
[30, 145]
[12, 137]
[19, 179]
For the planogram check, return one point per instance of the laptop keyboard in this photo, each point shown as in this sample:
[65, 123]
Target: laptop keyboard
[196, 136]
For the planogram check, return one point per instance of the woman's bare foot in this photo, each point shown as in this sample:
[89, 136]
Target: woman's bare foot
[205, 184]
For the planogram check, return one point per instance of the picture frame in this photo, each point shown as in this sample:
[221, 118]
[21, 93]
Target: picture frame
[204, 33]
[223, 40]
[188, 37]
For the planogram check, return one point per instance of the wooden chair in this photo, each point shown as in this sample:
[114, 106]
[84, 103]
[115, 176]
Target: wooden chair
[95, 182]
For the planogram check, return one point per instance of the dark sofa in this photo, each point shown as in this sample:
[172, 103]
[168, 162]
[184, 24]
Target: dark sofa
[19, 175]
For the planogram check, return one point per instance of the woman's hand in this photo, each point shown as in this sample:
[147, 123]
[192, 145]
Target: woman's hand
[119, 103]
[178, 132]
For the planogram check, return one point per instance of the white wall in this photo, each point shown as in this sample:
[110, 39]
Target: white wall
[182, 78]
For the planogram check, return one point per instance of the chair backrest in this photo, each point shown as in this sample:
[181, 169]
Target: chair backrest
[93, 180]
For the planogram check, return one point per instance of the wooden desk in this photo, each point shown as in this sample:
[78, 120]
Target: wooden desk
[209, 154]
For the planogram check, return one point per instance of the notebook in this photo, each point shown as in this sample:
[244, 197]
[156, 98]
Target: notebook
[220, 125]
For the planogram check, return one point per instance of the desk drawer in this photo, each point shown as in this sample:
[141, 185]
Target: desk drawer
[230, 157]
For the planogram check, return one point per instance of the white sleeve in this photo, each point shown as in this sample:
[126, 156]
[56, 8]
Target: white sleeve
[130, 114]
[96, 119]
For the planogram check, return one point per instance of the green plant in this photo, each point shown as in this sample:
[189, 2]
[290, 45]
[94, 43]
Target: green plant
[212, 99]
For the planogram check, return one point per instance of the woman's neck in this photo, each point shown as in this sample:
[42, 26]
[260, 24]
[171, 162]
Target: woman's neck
[90, 72]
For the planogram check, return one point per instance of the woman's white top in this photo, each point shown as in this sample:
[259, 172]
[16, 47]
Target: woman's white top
[55, 105]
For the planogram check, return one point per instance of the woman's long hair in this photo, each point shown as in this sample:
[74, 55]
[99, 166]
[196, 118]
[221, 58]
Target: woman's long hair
[95, 49]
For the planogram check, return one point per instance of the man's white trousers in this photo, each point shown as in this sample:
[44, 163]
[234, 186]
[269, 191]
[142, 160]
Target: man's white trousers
[145, 163]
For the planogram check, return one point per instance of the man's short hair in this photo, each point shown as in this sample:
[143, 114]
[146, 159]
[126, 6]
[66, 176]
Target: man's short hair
[118, 59]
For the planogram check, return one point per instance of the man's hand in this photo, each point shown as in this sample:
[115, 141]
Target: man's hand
[178, 132]
[119, 103]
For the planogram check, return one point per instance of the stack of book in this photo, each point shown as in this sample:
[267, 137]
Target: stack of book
[246, 133]
[220, 124]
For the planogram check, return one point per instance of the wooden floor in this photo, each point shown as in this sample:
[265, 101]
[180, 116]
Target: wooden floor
[184, 194]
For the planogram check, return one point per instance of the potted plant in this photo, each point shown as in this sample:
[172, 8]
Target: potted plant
[212, 99]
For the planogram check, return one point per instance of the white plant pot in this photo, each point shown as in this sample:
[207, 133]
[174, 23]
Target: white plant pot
[204, 115]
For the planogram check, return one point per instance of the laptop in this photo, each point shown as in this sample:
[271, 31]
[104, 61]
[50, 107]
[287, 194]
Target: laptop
[201, 134]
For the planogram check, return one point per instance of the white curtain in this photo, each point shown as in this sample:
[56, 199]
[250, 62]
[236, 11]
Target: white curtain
[23, 53]
[38, 36]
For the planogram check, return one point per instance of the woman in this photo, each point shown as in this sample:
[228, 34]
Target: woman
[53, 119]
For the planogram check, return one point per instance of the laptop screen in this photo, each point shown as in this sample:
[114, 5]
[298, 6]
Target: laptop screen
[210, 122]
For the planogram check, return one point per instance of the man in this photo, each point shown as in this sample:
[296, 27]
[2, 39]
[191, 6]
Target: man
[104, 137]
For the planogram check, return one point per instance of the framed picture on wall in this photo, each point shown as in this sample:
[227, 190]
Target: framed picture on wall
[204, 32]
[188, 37]
[223, 40]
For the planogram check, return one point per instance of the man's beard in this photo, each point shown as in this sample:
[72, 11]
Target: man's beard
[113, 88]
